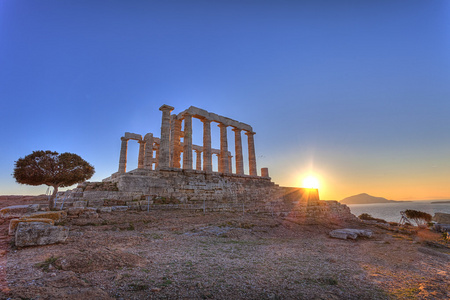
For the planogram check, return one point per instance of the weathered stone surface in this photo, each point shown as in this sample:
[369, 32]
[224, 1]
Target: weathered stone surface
[15, 222]
[105, 209]
[81, 204]
[350, 233]
[119, 208]
[17, 211]
[441, 218]
[75, 211]
[89, 212]
[38, 233]
[54, 215]
[95, 202]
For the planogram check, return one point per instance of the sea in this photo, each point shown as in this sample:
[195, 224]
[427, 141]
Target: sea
[391, 211]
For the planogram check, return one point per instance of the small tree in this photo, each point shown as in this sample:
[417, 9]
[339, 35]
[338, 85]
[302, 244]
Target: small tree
[52, 169]
[419, 217]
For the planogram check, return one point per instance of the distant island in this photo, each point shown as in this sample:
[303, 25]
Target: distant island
[440, 202]
[366, 199]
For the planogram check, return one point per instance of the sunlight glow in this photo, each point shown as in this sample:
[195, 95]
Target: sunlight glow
[311, 182]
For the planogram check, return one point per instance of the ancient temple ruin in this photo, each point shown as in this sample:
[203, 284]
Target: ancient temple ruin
[168, 148]
[166, 178]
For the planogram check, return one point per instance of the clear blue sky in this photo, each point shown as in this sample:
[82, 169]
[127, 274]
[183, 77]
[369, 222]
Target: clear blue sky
[355, 92]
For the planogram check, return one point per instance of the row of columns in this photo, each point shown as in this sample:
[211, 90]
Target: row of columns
[168, 158]
[145, 158]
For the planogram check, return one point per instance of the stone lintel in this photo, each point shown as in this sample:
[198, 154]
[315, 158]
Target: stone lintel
[205, 115]
[133, 136]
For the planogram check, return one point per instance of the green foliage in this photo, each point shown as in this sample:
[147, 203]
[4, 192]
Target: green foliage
[45, 265]
[419, 217]
[53, 169]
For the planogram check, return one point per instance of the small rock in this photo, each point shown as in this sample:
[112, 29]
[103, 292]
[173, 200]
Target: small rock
[155, 290]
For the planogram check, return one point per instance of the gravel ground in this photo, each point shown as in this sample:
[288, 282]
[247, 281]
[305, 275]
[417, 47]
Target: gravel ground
[186, 255]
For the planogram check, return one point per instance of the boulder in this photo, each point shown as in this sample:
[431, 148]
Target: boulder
[15, 222]
[441, 218]
[17, 211]
[39, 233]
[350, 233]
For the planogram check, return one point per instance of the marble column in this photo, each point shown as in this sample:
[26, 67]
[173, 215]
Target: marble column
[148, 156]
[223, 149]
[176, 145]
[157, 157]
[251, 154]
[207, 156]
[198, 163]
[123, 155]
[141, 154]
[187, 152]
[238, 150]
[164, 147]
[230, 167]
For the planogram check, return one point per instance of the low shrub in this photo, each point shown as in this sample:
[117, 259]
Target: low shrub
[368, 217]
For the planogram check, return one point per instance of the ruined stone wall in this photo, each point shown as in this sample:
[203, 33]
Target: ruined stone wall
[198, 190]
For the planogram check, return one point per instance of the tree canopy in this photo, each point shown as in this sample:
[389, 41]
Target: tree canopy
[53, 169]
[419, 217]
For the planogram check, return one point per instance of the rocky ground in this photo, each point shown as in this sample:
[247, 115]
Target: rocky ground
[186, 255]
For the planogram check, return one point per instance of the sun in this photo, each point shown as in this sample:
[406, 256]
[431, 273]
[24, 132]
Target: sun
[311, 182]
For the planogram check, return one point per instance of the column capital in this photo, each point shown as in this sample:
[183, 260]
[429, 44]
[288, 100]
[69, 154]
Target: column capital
[166, 107]
[222, 125]
[235, 129]
[206, 121]
[250, 133]
[124, 139]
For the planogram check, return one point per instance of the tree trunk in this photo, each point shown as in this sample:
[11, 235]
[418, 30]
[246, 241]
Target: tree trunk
[51, 201]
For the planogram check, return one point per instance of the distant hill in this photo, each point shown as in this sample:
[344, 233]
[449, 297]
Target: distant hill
[366, 199]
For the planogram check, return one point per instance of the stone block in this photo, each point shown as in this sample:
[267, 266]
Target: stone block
[95, 202]
[38, 233]
[54, 215]
[17, 211]
[80, 204]
[350, 233]
[15, 222]
[105, 209]
[119, 208]
[89, 212]
[75, 211]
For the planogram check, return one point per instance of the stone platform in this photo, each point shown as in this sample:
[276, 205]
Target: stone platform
[199, 190]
